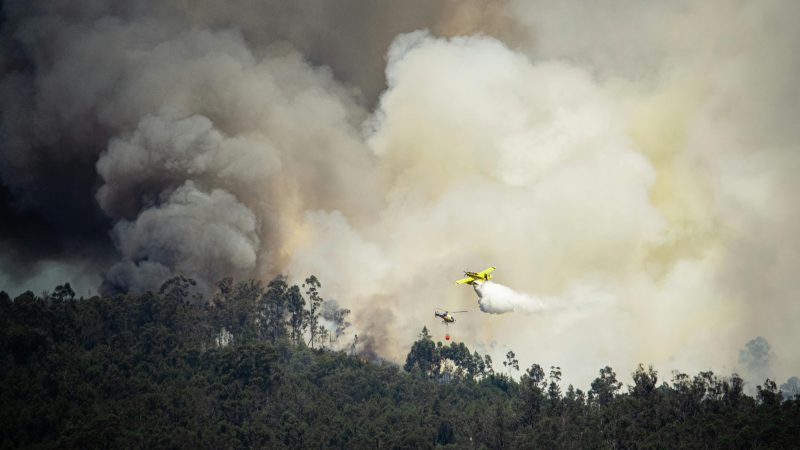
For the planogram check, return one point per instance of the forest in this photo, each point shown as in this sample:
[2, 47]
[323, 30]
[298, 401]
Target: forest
[265, 366]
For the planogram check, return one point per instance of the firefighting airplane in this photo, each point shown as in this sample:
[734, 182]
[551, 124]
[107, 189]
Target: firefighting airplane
[473, 277]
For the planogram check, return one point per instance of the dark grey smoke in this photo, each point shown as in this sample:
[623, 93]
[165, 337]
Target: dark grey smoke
[374, 336]
[329, 310]
[756, 360]
[791, 389]
[122, 120]
[756, 355]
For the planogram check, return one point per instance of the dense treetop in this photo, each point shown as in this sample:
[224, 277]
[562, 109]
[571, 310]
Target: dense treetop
[254, 366]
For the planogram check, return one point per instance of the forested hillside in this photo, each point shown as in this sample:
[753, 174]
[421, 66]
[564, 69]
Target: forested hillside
[253, 367]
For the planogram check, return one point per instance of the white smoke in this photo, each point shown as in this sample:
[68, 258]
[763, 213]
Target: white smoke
[629, 193]
[494, 298]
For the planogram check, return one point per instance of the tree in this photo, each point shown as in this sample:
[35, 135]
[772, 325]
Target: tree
[63, 292]
[425, 334]
[733, 390]
[487, 362]
[322, 336]
[535, 373]
[532, 397]
[340, 322]
[295, 305]
[272, 309]
[354, 345]
[119, 372]
[644, 382]
[553, 388]
[605, 386]
[424, 355]
[312, 286]
[237, 309]
[479, 364]
[511, 362]
[769, 394]
[174, 295]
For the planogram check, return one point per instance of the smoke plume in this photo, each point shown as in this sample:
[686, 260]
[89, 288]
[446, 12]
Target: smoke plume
[144, 124]
[756, 361]
[635, 160]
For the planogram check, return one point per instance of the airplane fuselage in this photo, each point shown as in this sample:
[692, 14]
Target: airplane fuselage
[474, 277]
[478, 276]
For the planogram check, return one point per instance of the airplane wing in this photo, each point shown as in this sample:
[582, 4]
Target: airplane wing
[465, 280]
[484, 272]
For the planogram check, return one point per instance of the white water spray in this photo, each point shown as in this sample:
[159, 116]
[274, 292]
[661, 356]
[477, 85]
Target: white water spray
[495, 298]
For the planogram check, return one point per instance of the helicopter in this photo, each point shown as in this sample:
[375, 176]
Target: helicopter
[447, 319]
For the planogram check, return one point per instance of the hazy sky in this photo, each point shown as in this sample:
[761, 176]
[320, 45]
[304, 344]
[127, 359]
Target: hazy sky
[629, 166]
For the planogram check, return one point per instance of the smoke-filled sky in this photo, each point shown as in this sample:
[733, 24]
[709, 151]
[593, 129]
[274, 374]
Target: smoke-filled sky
[630, 165]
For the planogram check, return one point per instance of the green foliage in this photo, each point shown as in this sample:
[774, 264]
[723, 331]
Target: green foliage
[273, 310]
[605, 387]
[312, 286]
[511, 361]
[175, 370]
[295, 306]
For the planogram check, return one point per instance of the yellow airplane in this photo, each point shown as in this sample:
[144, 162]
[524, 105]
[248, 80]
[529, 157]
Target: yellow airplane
[473, 277]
